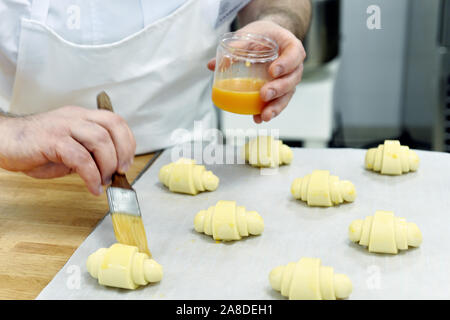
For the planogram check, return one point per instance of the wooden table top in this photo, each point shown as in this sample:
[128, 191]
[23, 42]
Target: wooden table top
[42, 222]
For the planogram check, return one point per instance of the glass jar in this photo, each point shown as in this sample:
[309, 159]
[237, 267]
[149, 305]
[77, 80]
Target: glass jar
[242, 64]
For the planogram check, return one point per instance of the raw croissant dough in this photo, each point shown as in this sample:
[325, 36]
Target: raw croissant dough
[185, 176]
[391, 158]
[385, 233]
[227, 221]
[308, 280]
[265, 151]
[321, 189]
[122, 266]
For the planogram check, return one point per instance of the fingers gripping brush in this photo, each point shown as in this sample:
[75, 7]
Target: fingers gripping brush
[123, 202]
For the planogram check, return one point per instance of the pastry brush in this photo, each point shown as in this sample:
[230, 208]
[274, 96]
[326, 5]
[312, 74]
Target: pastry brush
[123, 203]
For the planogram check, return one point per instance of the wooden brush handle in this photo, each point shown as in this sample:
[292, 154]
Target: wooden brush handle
[103, 102]
[119, 180]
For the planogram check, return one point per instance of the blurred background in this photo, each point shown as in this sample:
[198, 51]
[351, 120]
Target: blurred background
[376, 70]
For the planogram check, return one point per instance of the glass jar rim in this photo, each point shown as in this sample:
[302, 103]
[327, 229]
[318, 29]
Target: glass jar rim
[270, 54]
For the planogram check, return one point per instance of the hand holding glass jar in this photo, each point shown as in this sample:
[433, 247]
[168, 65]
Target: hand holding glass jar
[258, 69]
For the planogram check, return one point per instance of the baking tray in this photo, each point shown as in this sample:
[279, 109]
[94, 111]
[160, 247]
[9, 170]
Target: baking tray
[197, 267]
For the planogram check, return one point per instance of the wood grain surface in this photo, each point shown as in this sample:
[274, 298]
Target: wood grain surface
[42, 222]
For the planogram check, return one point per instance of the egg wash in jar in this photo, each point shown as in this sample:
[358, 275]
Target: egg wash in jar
[242, 64]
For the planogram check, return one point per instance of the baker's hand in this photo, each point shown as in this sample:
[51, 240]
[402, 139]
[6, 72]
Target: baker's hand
[286, 71]
[92, 143]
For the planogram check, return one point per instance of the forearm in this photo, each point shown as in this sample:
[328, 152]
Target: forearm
[6, 124]
[4, 115]
[294, 15]
[5, 141]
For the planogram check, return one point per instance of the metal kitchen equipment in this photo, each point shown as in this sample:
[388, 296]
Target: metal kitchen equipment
[444, 95]
[322, 41]
[196, 267]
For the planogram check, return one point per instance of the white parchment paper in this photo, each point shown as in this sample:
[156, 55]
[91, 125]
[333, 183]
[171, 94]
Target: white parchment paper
[196, 267]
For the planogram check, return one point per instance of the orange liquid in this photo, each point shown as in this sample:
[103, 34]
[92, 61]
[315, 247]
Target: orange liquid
[238, 95]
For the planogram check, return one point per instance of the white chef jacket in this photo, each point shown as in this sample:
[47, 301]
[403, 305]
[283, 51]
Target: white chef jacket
[90, 22]
[51, 57]
[83, 21]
